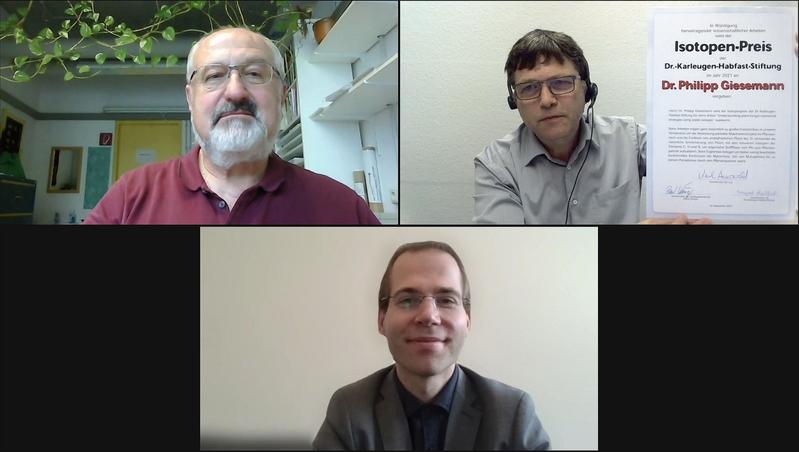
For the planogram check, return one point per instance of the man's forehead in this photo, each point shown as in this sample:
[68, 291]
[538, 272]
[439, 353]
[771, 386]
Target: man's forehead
[234, 43]
[550, 65]
[424, 261]
[551, 62]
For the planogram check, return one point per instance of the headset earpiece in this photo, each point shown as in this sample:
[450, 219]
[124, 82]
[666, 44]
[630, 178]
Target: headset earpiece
[511, 98]
[590, 93]
[512, 102]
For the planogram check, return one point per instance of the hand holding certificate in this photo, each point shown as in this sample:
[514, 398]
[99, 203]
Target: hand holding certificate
[721, 94]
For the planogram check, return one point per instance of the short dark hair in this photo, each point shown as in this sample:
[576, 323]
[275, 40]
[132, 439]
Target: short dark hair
[548, 44]
[385, 283]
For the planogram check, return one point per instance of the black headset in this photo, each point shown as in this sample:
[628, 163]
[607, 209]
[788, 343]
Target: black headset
[594, 91]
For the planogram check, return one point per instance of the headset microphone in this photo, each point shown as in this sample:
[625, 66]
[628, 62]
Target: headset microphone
[591, 94]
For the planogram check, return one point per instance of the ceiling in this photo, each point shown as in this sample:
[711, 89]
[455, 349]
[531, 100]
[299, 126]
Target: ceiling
[137, 14]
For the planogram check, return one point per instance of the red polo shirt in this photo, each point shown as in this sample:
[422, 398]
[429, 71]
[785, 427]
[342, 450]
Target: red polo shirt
[174, 192]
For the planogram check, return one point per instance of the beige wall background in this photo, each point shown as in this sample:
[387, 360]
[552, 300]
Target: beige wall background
[289, 315]
[453, 92]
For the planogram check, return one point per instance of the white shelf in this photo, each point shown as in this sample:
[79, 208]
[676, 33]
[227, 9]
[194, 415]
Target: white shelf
[356, 31]
[289, 145]
[290, 126]
[290, 153]
[387, 218]
[290, 134]
[369, 95]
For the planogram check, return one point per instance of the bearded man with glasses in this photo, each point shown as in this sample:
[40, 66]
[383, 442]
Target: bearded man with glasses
[426, 400]
[560, 166]
[235, 90]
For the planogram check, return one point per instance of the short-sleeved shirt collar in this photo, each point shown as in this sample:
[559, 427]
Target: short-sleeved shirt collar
[189, 171]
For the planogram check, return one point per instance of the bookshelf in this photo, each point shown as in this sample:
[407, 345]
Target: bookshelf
[366, 97]
[357, 27]
[289, 143]
[348, 100]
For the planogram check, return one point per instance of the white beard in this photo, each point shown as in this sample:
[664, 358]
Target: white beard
[235, 140]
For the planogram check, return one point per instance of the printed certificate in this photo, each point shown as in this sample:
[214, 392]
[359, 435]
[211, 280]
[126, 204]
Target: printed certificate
[721, 113]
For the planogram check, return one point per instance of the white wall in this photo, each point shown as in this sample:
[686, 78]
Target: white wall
[380, 130]
[289, 315]
[61, 133]
[453, 92]
[51, 94]
[90, 96]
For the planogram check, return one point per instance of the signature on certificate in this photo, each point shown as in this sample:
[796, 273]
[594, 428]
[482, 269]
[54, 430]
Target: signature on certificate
[684, 189]
[758, 195]
[720, 175]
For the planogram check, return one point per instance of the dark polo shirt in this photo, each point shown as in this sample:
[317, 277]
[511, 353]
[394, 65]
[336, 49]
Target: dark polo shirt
[174, 192]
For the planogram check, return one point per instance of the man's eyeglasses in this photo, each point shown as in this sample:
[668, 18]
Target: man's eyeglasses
[556, 86]
[214, 76]
[411, 300]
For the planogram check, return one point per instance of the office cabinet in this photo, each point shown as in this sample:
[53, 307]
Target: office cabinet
[17, 197]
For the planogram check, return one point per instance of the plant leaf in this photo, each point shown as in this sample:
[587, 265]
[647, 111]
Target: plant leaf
[83, 69]
[126, 38]
[96, 17]
[109, 21]
[65, 24]
[64, 34]
[46, 59]
[22, 12]
[74, 56]
[48, 33]
[146, 44]
[57, 51]
[100, 58]
[171, 60]
[197, 4]
[169, 34]
[20, 60]
[140, 59]
[96, 28]
[155, 59]
[35, 47]
[85, 31]
[21, 76]
[120, 54]
[165, 12]
[68, 76]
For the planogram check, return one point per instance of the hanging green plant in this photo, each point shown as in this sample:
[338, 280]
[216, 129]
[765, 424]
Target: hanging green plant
[50, 47]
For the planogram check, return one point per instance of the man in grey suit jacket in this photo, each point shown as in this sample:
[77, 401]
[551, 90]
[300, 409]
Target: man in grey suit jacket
[426, 401]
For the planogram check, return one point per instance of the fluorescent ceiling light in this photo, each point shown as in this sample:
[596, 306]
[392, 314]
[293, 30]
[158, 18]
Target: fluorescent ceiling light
[137, 69]
[166, 109]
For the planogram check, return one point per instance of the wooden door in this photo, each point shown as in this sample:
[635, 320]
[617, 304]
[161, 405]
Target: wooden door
[141, 142]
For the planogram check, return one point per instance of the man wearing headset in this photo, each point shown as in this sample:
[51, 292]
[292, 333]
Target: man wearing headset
[531, 175]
